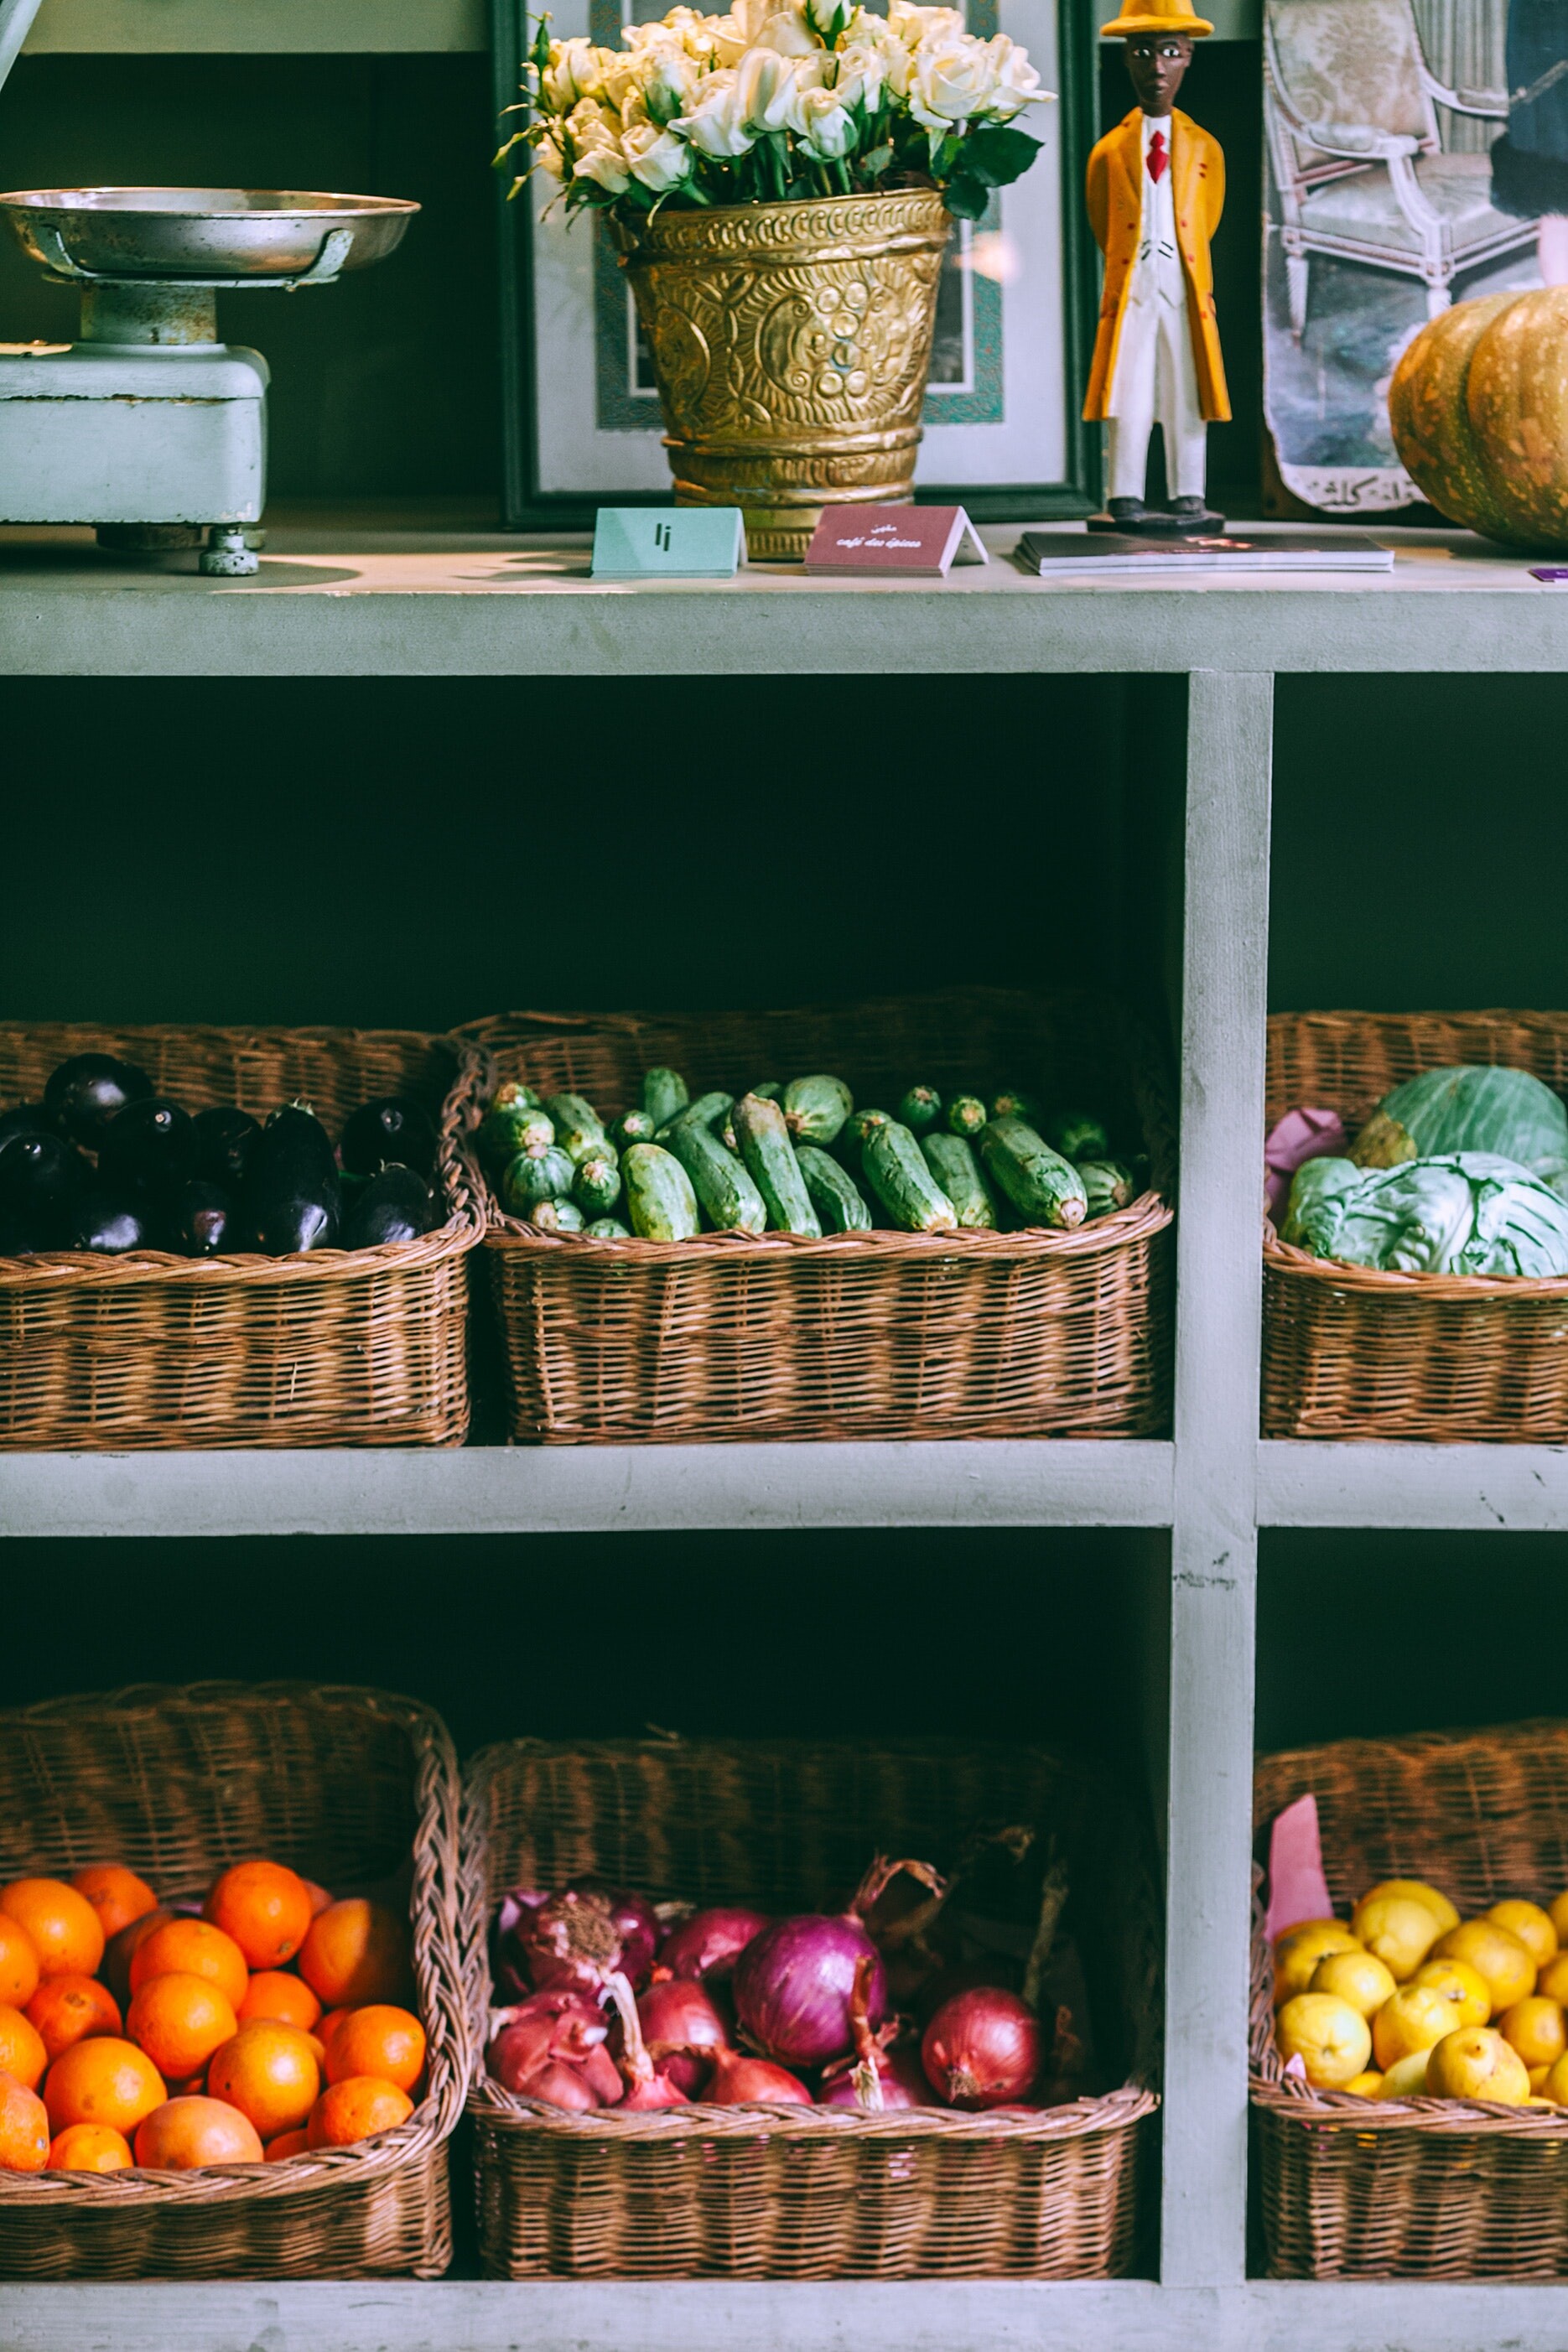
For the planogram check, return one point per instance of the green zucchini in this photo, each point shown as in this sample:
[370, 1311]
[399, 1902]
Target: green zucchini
[1014, 1103]
[607, 1229]
[726, 1131]
[597, 1186]
[719, 1178]
[769, 1091]
[706, 1111]
[1077, 1135]
[857, 1127]
[816, 1108]
[632, 1127]
[953, 1162]
[1107, 1184]
[833, 1193]
[921, 1109]
[897, 1172]
[560, 1217]
[1036, 1179]
[665, 1094]
[533, 1177]
[504, 1133]
[966, 1115]
[660, 1202]
[578, 1127]
[766, 1148]
[512, 1094]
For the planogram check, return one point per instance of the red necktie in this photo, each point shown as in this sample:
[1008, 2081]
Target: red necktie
[1158, 159]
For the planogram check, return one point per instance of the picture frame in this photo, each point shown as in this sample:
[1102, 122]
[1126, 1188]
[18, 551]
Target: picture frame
[1003, 436]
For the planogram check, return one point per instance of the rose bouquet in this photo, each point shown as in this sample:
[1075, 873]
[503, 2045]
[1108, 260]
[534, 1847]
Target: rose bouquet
[778, 100]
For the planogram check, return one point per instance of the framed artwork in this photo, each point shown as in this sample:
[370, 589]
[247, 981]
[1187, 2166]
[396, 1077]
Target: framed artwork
[1016, 314]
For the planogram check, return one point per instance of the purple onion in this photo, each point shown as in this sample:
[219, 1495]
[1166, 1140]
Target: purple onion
[572, 1940]
[708, 1943]
[899, 2071]
[794, 1982]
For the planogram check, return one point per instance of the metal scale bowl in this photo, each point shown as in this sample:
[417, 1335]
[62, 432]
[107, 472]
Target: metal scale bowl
[149, 428]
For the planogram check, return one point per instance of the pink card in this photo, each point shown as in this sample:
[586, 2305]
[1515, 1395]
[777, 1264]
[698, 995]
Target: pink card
[906, 542]
[1297, 1887]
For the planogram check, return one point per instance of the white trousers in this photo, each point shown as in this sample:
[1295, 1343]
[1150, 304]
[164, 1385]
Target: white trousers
[1155, 379]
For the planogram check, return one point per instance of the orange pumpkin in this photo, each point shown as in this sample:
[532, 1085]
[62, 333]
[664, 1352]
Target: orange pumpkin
[1478, 404]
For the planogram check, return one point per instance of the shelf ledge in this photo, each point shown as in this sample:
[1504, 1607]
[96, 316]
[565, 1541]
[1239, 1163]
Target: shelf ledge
[1522, 1488]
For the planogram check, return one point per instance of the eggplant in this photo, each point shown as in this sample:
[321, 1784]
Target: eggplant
[225, 1137]
[40, 1173]
[28, 1118]
[389, 1131]
[85, 1093]
[110, 1220]
[398, 1205]
[21, 1233]
[289, 1222]
[199, 1221]
[150, 1146]
[291, 1198]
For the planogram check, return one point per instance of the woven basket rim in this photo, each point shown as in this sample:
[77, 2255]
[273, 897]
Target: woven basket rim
[463, 1230]
[504, 2111]
[436, 1960]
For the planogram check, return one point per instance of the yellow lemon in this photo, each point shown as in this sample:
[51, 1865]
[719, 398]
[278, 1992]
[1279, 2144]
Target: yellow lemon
[1414, 1890]
[1457, 1983]
[1359, 1978]
[1558, 1913]
[1552, 1981]
[1408, 2078]
[1537, 2079]
[1536, 2101]
[1399, 1931]
[1328, 2036]
[1496, 1955]
[1556, 2084]
[1531, 1925]
[1535, 2028]
[1412, 2019]
[1476, 2062]
[1298, 1951]
[1364, 2086]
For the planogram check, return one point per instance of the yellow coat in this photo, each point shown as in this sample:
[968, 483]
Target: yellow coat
[1115, 195]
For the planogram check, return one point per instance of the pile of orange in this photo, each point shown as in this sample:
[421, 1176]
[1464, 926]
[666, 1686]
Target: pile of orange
[134, 2033]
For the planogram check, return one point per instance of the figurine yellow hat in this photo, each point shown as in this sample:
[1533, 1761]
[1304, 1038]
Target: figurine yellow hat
[1140, 18]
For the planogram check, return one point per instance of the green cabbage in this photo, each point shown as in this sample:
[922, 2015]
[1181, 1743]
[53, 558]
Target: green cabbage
[1462, 1213]
[1467, 1109]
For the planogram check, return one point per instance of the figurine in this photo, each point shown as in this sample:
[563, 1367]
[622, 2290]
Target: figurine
[1155, 192]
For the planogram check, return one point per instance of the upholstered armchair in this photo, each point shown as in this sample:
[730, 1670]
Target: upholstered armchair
[1358, 158]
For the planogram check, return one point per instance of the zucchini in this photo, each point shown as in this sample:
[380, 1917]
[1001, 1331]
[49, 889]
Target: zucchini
[897, 1172]
[953, 1162]
[607, 1229]
[504, 1133]
[1107, 1184]
[921, 1109]
[816, 1108]
[597, 1186]
[857, 1127]
[560, 1217]
[1077, 1135]
[719, 1178]
[766, 1148]
[632, 1127]
[512, 1094]
[769, 1091]
[660, 1202]
[533, 1177]
[1036, 1179]
[966, 1115]
[578, 1127]
[726, 1133]
[833, 1193]
[706, 1111]
[1014, 1103]
[665, 1094]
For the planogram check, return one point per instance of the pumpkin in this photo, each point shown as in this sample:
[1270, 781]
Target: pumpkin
[1478, 404]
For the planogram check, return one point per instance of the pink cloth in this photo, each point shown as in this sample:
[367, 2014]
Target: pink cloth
[1297, 1887]
[1299, 1135]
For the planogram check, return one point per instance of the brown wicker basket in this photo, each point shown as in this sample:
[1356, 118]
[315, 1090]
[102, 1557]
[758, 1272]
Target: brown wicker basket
[1422, 2188]
[1349, 1351]
[728, 2192]
[328, 1348]
[870, 1335]
[346, 1785]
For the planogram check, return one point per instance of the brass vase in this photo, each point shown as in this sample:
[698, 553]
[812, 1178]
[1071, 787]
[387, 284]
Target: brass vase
[791, 342]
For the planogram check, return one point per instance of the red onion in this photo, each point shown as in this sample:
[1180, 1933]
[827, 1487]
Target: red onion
[561, 2086]
[682, 2028]
[982, 2049]
[575, 1938]
[793, 1981]
[992, 1971]
[740, 2082]
[647, 2087]
[710, 1942]
[549, 2036]
[901, 2078]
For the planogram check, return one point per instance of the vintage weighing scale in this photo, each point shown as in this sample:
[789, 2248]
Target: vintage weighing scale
[149, 428]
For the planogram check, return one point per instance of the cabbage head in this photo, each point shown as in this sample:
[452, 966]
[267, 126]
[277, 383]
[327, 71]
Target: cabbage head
[1467, 1109]
[1459, 1213]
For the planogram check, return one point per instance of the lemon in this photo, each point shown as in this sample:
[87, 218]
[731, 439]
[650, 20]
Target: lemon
[1298, 1951]
[1496, 1955]
[1408, 2078]
[1457, 1983]
[1556, 2084]
[1328, 2036]
[1414, 1890]
[1399, 1931]
[1476, 2062]
[1412, 2019]
[1535, 2028]
[1364, 2086]
[1558, 1913]
[1552, 1981]
[1359, 1978]
[1531, 1925]
[1537, 2078]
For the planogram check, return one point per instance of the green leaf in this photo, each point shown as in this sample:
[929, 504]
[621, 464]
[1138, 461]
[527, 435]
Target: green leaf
[966, 199]
[997, 155]
[877, 160]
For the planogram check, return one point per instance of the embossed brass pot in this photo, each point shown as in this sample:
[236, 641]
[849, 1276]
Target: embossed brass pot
[791, 342]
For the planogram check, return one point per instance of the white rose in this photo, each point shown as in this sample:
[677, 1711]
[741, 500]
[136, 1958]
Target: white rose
[716, 124]
[770, 89]
[867, 68]
[953, 81]
[829, 131]
[608, 166]
[657, 158]
[622, 78]
[1017, 83]
[576, 69]
[591, 126]
[820, 14]
[548, 156]
[912, 26]
[671, 84]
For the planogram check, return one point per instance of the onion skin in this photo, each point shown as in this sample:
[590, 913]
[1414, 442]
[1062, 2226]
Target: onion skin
[793, 1985]
[740, 2082]
[707, 1945]
[902, 2076]
[572, 1940]
[562, 2086]
[983, 2050]
[682, 2029]
[551, 2047]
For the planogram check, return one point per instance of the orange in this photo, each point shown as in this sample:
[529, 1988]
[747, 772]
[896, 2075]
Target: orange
[18, 1964]
[287, 2144]
[67, 2009]
[270, 2073]
[22, 2052]
[23, 2128]
[354, 2108]
[62, 1923]
[122, 1948]
[89, 2147]
[273, 1992]
[179, 2020]
[116, 1894]
[183, 2135]
[103, 2081]
[327, 2023]
[192, 1947]
[265, 1907]
[356, 1951]
[386, 2042]
[319, 1896]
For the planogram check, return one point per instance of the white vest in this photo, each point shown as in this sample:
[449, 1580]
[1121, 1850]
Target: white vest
[1156, 274]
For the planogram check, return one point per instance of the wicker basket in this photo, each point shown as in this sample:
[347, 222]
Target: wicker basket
[1349, 1351]
[327, 1348]
[1424, 2187]
[706, 2191]
[345, 1785]
[871, 1335]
